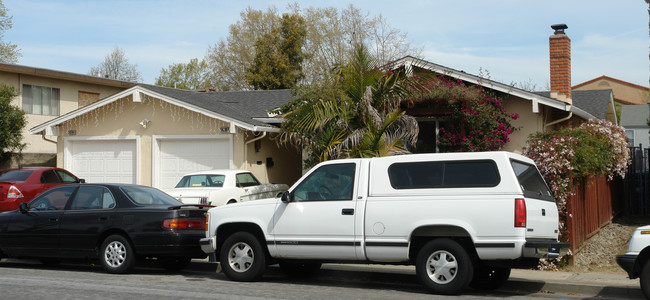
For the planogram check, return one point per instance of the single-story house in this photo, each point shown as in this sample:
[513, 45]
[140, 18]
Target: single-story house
[153, 135]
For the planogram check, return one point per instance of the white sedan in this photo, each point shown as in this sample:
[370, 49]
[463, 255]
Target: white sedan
[218, 187]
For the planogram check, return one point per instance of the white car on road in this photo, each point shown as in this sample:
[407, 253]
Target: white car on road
[225, 186]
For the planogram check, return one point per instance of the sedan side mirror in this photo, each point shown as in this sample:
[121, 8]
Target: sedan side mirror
[82, 180]
[287, 197]
[23, 207]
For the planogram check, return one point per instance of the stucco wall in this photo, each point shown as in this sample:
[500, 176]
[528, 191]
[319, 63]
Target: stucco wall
[528, 122]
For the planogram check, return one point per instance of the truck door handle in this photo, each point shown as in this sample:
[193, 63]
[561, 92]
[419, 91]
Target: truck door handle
[347, 211]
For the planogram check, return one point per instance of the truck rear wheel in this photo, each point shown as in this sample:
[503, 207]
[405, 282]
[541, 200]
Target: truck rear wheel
[444, 266]
[242, 257]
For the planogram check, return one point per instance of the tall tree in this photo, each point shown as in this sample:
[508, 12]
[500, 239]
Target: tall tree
[9, 53]
[117, 66]
[278, 56]
[12, 122]
[330, 38]
[190, 76]
[356, 113]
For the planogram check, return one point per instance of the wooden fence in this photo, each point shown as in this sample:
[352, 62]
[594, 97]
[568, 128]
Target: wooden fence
[589, 208]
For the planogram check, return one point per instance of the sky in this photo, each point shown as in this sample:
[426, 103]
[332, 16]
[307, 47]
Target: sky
[504, 40]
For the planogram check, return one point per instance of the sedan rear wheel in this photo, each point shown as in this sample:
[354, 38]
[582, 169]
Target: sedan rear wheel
[116, 254]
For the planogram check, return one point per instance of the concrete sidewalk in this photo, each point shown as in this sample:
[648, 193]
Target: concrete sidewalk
[617, 286]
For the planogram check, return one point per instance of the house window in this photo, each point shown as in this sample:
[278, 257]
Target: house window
[630, 137]
[429, 129]
[41, 100]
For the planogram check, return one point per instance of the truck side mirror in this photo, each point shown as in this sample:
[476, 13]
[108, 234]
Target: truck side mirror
[287, 197]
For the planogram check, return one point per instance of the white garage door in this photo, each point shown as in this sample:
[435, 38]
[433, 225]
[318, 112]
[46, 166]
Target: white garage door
[108, 161]
[181, 156]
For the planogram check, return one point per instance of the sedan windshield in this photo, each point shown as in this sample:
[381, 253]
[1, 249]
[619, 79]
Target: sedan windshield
[143, 195]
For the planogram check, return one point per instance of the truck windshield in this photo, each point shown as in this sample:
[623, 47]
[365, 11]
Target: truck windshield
[531, 181]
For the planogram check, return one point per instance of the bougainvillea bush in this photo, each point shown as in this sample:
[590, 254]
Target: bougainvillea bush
[594, 148]
[477, 120]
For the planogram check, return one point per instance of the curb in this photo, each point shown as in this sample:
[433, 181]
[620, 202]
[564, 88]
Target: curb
[572, 289]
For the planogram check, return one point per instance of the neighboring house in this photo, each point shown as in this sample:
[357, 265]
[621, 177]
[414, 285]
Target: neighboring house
[624, 92]
[538, 112]
[46, 94]
[634, 118]
[153, 135]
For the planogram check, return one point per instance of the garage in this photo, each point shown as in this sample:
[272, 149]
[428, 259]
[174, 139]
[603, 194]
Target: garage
[102, 160]
[179, 156]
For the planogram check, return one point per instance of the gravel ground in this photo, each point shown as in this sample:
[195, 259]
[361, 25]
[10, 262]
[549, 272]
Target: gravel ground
[599, 253]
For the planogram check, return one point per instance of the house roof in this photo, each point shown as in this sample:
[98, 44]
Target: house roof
[47, 73]
[635, 115]
[611, 79]
[594, 102]
[409, 62]
[243, 108]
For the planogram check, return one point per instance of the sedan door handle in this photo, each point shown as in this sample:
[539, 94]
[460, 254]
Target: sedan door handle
[54, 219]
[103, 219]
[347, 211]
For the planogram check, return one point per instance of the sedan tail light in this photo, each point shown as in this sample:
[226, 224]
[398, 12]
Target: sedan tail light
[198, 224]
[14, 192]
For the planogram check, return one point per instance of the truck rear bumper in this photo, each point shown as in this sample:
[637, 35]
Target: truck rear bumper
[544, 248]
[208, 245]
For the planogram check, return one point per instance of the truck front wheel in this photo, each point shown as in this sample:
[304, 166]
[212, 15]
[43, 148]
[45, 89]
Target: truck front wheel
[444, 266]
[242, 257]
[644, 279]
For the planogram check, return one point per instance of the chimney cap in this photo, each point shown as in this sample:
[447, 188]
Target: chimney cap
[559, 28]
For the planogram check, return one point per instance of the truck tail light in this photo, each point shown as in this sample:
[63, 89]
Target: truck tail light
[184, 224]
[14, 192]
[520, 213]
[207, 221]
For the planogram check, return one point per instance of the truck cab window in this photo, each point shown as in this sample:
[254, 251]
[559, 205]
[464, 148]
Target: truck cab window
[327, 183]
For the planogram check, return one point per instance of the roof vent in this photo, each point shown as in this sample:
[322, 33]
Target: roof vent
[559, 28]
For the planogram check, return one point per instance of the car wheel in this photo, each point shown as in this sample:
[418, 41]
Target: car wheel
[298, 270]
[444, 266]
[174, 263]
[242, 257]
[644, 279]
[116, 254]
[489, 278]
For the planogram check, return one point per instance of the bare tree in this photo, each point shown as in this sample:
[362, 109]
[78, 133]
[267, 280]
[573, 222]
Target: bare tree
[8, 52]
[117, 66]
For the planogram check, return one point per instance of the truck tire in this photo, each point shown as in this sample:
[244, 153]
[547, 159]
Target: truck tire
[644, 279]
[444, 266]
[489, 278]
[242, 257]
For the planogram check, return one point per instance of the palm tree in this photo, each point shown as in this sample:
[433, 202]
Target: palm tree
[356, 113]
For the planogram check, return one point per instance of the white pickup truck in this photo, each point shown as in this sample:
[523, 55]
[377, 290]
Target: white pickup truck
[461, 218]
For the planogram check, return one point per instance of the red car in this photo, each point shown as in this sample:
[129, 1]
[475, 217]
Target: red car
[21, 185]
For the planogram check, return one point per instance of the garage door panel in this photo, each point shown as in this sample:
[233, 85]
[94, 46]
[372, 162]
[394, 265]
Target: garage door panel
[182, 156]
[104, 160]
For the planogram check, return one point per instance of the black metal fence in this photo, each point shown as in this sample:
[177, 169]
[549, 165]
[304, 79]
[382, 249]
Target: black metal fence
[636, 186]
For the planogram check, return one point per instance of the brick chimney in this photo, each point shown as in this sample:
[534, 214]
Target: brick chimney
[560, 54]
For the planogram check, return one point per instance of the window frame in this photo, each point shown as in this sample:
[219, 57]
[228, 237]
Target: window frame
[53, 102]
[443, 183]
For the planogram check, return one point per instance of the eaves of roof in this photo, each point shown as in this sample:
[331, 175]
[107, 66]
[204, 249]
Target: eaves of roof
[47, 73]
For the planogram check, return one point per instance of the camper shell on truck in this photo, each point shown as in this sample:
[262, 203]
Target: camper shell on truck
[461, 218]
